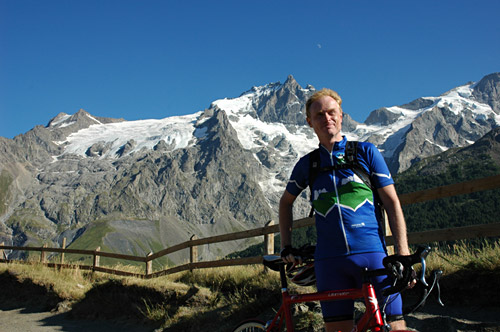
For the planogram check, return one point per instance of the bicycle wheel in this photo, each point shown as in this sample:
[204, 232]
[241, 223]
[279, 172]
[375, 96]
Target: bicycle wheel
[251, 325]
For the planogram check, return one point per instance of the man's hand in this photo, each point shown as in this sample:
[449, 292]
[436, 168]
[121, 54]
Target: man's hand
[290, 255]
[413, 280]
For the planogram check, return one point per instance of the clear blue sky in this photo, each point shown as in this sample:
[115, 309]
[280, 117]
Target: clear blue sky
[152, 59]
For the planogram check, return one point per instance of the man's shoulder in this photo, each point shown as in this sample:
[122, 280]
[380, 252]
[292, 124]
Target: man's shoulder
[303, 162]
[365, 149]
[363, 144]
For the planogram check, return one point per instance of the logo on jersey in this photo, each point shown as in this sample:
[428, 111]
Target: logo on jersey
[352, 195]
[340, 157]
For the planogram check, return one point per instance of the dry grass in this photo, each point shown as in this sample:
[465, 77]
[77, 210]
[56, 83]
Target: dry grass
[66, 283]
[464, 256]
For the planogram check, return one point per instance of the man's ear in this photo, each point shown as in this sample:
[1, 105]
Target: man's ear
[309, 122]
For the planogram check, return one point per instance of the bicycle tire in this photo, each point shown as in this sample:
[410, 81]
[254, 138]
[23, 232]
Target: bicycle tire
[251, 325]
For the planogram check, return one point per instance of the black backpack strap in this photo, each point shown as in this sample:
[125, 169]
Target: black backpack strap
[314, 166]
[351, 158]
[314, 169]
[351, 152]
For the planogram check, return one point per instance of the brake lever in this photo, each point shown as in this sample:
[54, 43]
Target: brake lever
[423, 255]
[438, 274]
[397, 270]
[435, 276]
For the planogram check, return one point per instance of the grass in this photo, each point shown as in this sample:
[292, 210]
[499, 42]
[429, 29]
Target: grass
[466, 256]
[471, 272]
[219, 298]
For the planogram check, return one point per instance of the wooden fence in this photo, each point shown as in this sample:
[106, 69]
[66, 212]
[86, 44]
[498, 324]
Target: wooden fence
[450, 234]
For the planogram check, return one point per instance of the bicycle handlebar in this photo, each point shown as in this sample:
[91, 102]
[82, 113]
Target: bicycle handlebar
[401, 267]
[398, 266]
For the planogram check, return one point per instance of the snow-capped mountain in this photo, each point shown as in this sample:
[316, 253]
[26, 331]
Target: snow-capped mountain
[430, 125]
[385, 127]
[219, 170]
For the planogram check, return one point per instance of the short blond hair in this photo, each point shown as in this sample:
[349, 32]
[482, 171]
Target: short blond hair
[322, 93]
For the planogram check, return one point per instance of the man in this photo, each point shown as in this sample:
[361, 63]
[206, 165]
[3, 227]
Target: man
[349, 235]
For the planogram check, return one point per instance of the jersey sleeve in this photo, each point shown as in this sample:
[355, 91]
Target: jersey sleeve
[378, 170]
[300, 177]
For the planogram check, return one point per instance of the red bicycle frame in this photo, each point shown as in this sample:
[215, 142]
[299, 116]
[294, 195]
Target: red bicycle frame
[371, 319]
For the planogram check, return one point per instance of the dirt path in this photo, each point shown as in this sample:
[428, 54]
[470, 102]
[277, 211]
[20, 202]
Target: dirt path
[455, 319]
[26, 320]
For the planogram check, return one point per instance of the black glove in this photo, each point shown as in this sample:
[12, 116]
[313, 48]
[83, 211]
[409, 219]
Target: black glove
[288, 250]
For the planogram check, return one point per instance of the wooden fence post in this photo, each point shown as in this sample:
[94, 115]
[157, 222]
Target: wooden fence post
[269, 240]
[387, 231]
[43, 254]
[2, 253]
[149, 264]
[96, 257]
[193, 252]
[63, 247]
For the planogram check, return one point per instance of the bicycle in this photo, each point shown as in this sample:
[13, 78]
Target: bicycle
[373, 318]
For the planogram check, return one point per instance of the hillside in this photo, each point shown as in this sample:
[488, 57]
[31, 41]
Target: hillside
[478, 160]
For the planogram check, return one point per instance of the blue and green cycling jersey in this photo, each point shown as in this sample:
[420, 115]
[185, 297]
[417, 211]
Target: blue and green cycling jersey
[347, 218]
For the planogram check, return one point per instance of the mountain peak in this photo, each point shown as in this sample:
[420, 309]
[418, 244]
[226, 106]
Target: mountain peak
[82, 111]
[290, 80]
[291, 83]
[487, 91]
[61, 117]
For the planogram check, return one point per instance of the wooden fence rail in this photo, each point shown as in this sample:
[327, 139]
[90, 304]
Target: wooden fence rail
[450, 234]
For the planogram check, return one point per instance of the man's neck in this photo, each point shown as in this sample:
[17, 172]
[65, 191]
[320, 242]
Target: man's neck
[329, 144]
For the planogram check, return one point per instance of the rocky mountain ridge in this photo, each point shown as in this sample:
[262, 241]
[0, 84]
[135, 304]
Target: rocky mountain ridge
[211, 172]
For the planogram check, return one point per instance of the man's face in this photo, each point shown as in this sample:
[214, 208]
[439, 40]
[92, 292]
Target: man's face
[326, 120]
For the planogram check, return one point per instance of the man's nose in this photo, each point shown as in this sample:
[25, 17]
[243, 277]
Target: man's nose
[329, 116]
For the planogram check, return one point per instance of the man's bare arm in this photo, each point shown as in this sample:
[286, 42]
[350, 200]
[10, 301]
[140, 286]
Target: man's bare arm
[286, 218]
[397, 221]
[286, 221]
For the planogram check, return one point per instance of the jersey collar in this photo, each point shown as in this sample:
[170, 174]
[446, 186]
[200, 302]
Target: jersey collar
[340, 145]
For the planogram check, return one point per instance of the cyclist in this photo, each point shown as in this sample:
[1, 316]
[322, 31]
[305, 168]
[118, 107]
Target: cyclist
[349, 231]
